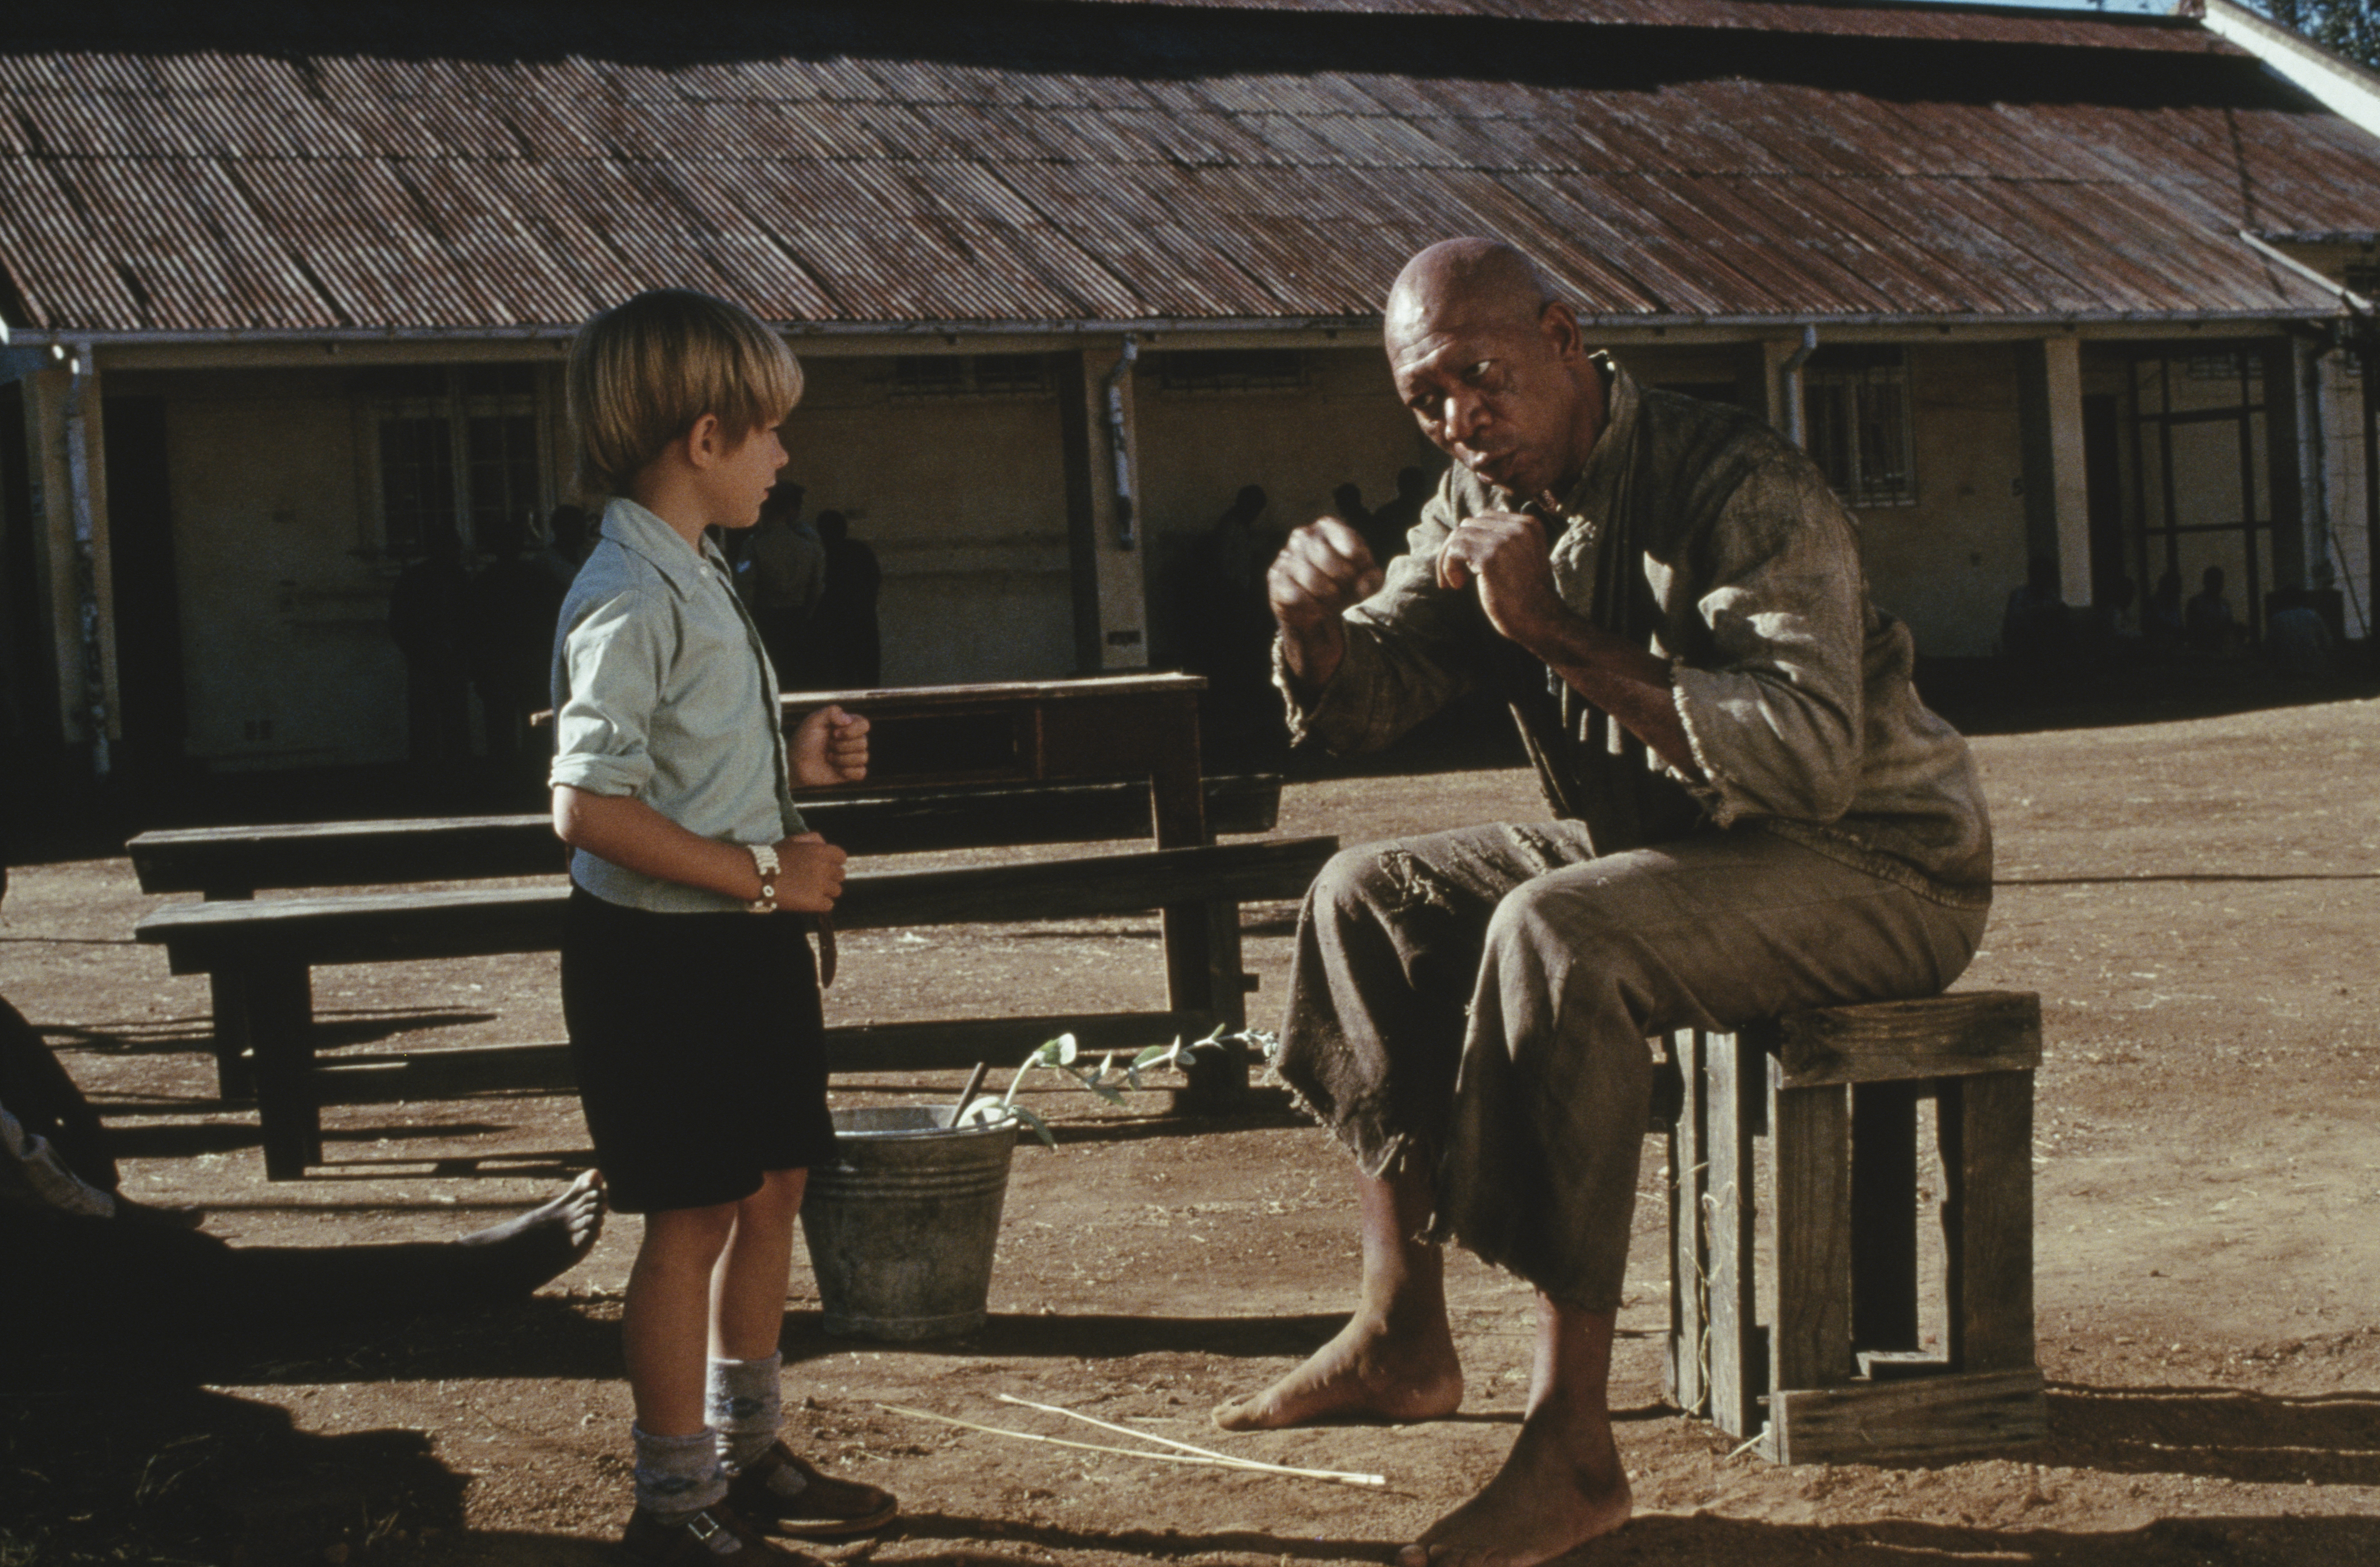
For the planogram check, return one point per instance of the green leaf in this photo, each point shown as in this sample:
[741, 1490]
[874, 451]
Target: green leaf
[1034, 1123]
[1154, 1054]
[1066, 1049]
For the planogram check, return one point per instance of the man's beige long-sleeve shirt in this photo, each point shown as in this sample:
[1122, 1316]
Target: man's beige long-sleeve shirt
[1700, 533]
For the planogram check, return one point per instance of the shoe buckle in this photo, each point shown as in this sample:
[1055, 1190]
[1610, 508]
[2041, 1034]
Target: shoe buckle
[717, 1537]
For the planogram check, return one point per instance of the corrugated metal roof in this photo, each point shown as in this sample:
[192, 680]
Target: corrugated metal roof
[1118, 160]
[2076, 29]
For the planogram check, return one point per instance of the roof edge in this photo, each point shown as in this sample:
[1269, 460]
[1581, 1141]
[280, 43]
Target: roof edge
[2338, 83]
[76, 337]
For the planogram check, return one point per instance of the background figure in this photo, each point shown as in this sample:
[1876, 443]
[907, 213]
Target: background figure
[508, 637]
[569, 534]
[425, 616]
[2298, 638]
[781, 576]
[1347, 505]
[848, 638]
[2032, 627]
[2206, 623]
[1227, 629]
[1394, 520]
[2162, 625]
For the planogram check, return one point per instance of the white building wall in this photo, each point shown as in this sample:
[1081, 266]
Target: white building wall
[964, 501]
[286, 658]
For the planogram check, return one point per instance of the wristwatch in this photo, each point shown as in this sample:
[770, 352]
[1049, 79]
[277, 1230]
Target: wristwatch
[764, 860]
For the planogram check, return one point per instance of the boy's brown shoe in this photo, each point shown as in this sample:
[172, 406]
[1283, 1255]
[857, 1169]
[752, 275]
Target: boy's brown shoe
[823, 1508]
[716, 1536]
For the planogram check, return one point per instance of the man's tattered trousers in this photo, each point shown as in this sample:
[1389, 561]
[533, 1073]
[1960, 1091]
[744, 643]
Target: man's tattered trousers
[1529, 1103]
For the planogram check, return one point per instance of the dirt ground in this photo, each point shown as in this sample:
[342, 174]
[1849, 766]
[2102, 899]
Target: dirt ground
[2194, 901]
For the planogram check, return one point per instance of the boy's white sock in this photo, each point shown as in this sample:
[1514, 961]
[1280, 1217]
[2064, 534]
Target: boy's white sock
[677, 1476]
[742, 1408]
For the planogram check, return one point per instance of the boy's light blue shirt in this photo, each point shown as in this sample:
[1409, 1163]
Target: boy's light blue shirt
[661, 691]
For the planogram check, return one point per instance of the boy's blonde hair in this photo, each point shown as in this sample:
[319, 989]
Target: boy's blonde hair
[642, 373]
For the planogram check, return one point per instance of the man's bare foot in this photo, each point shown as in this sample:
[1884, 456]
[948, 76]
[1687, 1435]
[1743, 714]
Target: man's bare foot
[1560, 1487]
[1367, 1371]
[529, 1249]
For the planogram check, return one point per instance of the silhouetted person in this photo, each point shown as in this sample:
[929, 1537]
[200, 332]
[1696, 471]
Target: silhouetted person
[2035, 627]
[510, 611]
[2206, 623]
[2298, 639]
[569, 532]
[849, 639]
[1227, 630]
[2162, 624]
[425, 616]
[1395, 518]
[782, 574]
[1347, 505]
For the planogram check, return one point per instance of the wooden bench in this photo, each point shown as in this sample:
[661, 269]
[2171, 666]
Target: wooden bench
[239, 862]
[268, 950]
[1829, 1101]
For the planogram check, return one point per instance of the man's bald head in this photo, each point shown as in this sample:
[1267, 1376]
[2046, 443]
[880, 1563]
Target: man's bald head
[1471, 280]
[1491, 364]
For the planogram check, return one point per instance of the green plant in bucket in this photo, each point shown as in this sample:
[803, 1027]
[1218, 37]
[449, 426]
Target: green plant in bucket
[1104, 1076]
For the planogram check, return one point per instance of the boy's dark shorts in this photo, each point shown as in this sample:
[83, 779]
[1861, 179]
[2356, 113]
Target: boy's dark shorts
[700, 1049]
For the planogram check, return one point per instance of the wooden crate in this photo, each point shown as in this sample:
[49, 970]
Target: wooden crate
[1828, 1102]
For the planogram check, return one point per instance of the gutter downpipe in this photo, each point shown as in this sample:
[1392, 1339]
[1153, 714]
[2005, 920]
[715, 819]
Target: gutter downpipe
[1790, 373]
[1115, 380]
[94, 677]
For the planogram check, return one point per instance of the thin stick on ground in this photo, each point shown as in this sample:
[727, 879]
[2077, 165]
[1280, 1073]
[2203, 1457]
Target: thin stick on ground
[1168, 1441]
[1216, 1462]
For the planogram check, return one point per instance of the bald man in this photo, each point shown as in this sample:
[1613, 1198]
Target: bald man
[1752, 813]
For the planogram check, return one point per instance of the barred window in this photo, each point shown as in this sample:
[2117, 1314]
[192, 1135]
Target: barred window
[457, 450]
[2223, 367]
[970, 375]
[1855, 405]
[1229, 369]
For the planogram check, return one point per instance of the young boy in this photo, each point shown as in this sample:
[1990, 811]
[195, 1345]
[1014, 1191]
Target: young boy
[695, 1027]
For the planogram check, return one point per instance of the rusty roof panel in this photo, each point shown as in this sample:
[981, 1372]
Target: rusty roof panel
[838, 165]
[1970, 24]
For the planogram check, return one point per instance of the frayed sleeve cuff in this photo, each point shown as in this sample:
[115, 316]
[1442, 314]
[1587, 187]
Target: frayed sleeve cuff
[1692, 694]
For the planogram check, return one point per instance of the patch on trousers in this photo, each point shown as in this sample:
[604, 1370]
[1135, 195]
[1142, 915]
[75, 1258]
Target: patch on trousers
[1542, 852]
[1416, 884]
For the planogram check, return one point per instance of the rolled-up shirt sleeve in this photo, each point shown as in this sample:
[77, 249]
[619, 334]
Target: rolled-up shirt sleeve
[1772, 706]
[610, 669]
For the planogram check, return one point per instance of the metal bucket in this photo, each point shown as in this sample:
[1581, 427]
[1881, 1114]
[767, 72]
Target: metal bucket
[901, 1229]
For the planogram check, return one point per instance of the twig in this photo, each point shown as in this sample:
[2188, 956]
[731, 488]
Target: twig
[1185, 1447]
[967, 1095]
[1126, 1452]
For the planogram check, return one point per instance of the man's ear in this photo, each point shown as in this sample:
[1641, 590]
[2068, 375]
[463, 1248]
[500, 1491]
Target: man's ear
[703, 443]
[1559, 324]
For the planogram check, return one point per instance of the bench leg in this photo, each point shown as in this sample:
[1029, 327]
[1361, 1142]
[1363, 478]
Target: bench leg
[1987, 1154]
[1202, 974]
[281, 1025]
[1735, 1069]
[1688, 1372]
[227, 998]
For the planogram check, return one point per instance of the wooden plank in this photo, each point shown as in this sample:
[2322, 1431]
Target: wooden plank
[403, 927]
[1935, 1036]
[1883, 1216]
[1987, 1148]
[235, 861]
[1688, 1375]
[798, 705]
[955, 1044]
[1925, 1417]
[1733, 1071]
[1809, 1148]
